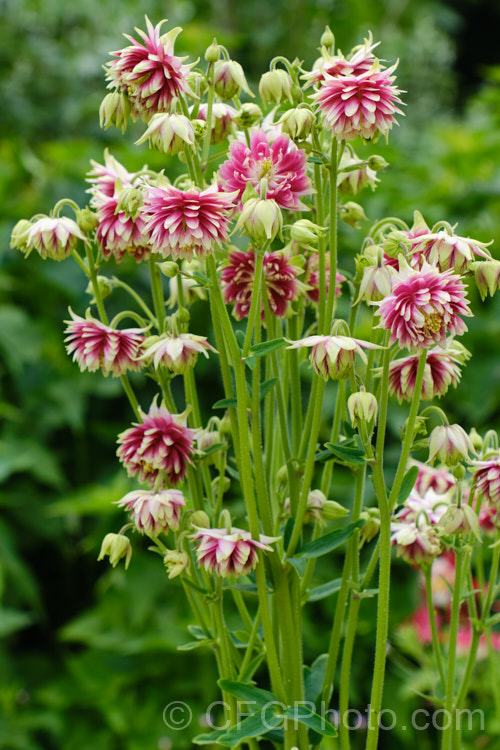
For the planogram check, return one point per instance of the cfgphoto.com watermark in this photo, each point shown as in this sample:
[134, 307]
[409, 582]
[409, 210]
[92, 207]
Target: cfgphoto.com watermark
[178, 715]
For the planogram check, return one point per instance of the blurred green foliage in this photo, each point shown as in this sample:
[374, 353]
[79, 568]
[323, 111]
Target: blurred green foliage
[88, 654]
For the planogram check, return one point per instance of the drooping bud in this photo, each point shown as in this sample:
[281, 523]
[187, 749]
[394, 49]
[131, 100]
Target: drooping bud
[114, 110]
[167, 133]
[19, 237]
[200, 519]
[276, 85]
[371, 517]
[461, 519]
[176, 562]
[487, 277]
[169, 268]
[354, 174]
[476, 440]
[229, 79]
[212, 53]
[261, 218]
[130, 200]
[377, 163]
[362, 407]
[306, 233]
[449, 444]
[117, 546]
[87, 219]
[376, 283]
[248, 115]
[297, 123]
[352, 213]
[396, 243]
[104, 285]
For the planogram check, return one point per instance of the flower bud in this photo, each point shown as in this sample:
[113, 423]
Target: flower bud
[396, 243]
[248, 115]
[354, 175]
[261, 218]
[116, 546]
[461, 520]
[297, 123]
[199, 128]
[229, 78]
[176, 562]
[377, 163]
[275, 85]
[352, 213]
[362, 407]
[19, 237]
[226, 484]
[487, 277]
[87, 220]
[167, 133]
[332, 510]
[327, 38]
[371, 517]
[114, 110]
[282, 475]
[476, 440]
[449, 444]
[376, 283]
[130, 200]
[212, 53]
[169, 268]
[306, 233]
[104, 285]
[200, 519]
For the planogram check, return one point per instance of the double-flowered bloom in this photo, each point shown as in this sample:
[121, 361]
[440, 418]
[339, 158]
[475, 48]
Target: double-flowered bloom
[154, 512]
[333, 356]
[229, 552]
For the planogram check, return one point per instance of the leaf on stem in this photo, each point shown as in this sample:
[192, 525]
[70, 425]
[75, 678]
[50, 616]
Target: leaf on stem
[327, 543]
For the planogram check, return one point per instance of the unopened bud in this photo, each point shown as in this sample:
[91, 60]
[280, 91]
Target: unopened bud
[169, 268]
[449, 444]
[200, 519]
[377, 163]
[376, 283]
[117, 546]
[461, 519]
[371, 517]
[476, 440]
[298, 123]
[306, 233]
[332, 510]
[396, 243]
[362, 407]
[167, 133]
[261, 218]
[19, 238]
[212, 53]
[352, 213]
[487, 277]
[87, 220]
[176, 562]
[104, 285]
[248, 115]
[229, 79]
[276, 85]
[327, 38]
[114, 110]
[130, 200]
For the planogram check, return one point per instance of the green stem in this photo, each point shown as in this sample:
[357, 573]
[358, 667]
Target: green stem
[157, 292]
[452, 648]
[330, 303]
[255, 304]
[432, 619]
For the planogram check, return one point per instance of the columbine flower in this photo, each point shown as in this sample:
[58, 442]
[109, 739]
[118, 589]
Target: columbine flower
[261, 218]
[222, 120]
[168, 133]
[418, 544]
[280, 162]
[119, 233]
[429, 505]
[450, 444]
[333, 356]
[183, 222]
[351, 179]
[154, 512]
[446, 251]
[229, 78]
[160, 444]
[362, 407]
[95, 346]
[231, 552]
[116, 546]
[176, 562]
[423, 307]
[487, 476]
[178, 353]
[149, 73]
[442, 369]
[428, 477]
[487, 277]
[360, 61]
[363, 105]
[105, 177]
[279, 279]
[53, 237]
[311, 277]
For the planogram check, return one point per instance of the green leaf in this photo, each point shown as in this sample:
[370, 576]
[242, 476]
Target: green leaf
[213, 449]
[253, 726]
[191, 645]
[407, 484]
[224, 403]
[259, 350]
[252, 668]
[314, 676]
[12, 620]
[326, 589]
[348, 454]
[209, 738]
[493, 620]
[327, 543]
[266, 387]
[317, 723]
[247, 692]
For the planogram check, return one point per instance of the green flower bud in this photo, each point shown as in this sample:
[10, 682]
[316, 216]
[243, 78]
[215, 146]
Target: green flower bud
[176, 562]
[327, 38]
[200, 519]
[276, 85]
[169, 268]
[212, 53]
[487, 277]
[248, 115]
[352, 213]
[229, 79]
[396, 243]
[114, 110]
[116, 546]
[306, 233]
[377, 163]
[261, 218]
[362, 407]
[130, 200]
[104, 285]
[87, 220]
[19, 237]
[371, 517]
[298, 123]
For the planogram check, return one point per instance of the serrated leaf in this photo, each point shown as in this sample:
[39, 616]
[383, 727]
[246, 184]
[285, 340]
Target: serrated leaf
[407, 485]
[327, 543]
[225, 403]
[246, 692]
[324, 590]
[317, 723]
[259, 350]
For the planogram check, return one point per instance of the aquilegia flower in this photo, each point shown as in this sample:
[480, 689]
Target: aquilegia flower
[359, 105]
[154, 512]
[442, 369]
[231, 552]
[447, 251]
[53, 237]
[450, 444]
[104, 177]
[279, 277]
[280, 162]
[160, 444]
[149, 72]
[181, 223]
[487, 476]
[333, 356]
[416, 541]
[95, 346]
[178, 353]
[119, 233]
[311, 277]
[423, 307]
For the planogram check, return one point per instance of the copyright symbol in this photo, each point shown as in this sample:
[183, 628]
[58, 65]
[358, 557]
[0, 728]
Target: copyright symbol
[177, 715]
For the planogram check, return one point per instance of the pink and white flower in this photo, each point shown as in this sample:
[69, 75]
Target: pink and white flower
[154, 512]
[178, 353]
[53, 237]
[119, 233]
[279, 278]
[333, 356]
[222, 120]
[487, 476]
[442, 369]
[450, 444]
[360, 61]
[231, 552]
[159, 445]
[424, 306]
[181, 223]
[311, 278]
[359, 105]
[446, 251]
[416, 542]
[280, 162]
[149, 72]
[96, 346]
[105, 178]
[439, 480]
